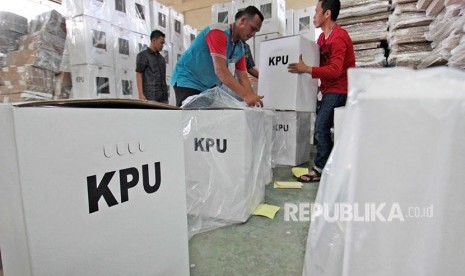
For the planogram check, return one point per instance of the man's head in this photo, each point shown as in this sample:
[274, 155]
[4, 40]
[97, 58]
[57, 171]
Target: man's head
[326, 12]
[247, 23]
[157, 40]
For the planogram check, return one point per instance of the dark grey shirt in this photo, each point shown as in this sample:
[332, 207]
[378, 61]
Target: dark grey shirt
[152, 65]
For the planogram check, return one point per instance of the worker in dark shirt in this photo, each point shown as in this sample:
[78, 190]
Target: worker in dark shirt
[151, 70]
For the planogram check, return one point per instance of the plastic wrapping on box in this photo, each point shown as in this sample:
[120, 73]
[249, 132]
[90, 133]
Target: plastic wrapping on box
[42, 40]
[376, 62]
[51, 22]
[140, 16]
[444, 24]
[92, 81]
[176, 27]
[411, 48]
[408, 20]
[8, 41]
[368, 9]
[227, 167]
[189, 35]
[119, 11]
[91, 41]
[96, 8]
[13, 22]
[27, 75]
[291, 146]
[223, 13]
[39, 58]
[408, 35]
[374, 171]
[352, 3]
[368, 53]
[122, 44]
[457, 58]
[365, 46]
[407, 60]
[213, 98]
[441, 54]
[406, 8]
[126, 85]
[366, 32]
[160, 15]
[383, 16]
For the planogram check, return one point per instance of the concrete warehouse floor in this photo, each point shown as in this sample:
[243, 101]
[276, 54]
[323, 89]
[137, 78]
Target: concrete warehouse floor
[260, 246]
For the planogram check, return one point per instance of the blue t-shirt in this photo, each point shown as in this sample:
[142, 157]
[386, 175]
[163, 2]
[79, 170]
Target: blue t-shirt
[195, 67]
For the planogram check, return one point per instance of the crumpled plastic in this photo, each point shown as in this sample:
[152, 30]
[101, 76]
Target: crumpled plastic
[371, 165]
[214, 98]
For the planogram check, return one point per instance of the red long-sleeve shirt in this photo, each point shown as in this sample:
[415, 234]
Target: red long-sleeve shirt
[336, 56]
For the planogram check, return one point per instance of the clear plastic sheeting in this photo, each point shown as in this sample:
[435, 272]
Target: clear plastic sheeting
[367, 9]
[13, 22]
[411, 48]
[95, 8]
[376, 61]
[39, 58]
[441, 54]
[367, 32]
[411, 60]
[228, 163]
[291, 146]
[214, 98]
[390, 185]
[383, 16]
[407, 20]
[353, 3]
[37, 79]
[408, 35]
[51, 22]
[457, 59]
[42, 40]
[445, 23]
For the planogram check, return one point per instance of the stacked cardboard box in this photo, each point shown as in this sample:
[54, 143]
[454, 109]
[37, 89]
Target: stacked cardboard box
[12, 26]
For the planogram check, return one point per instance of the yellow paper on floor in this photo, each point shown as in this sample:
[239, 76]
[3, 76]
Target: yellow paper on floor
[299, 171]
[266, 210]
[287, 185]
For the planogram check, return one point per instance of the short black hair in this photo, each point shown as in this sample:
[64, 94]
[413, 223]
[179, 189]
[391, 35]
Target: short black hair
[250, 12]
[156, 34]
[333, 5]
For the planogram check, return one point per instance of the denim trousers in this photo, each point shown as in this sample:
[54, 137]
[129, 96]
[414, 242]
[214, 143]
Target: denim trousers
[323, 124]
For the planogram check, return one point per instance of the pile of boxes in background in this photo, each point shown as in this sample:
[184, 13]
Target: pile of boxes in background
[95, 50]
[32, 55]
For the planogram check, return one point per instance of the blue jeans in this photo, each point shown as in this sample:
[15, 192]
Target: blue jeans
[323, 124]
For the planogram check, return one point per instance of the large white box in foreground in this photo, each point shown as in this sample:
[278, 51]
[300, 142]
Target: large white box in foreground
[87, 191]
[284, 90]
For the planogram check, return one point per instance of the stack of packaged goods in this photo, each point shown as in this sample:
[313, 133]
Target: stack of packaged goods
[30, 71]
[12, 26]
[366, 23]
[407, 27]
[457, 58]
[445, 32]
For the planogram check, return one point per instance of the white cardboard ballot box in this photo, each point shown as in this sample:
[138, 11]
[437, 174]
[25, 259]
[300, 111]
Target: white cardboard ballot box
[303, 23]
[291, 145]
[126, 84]
[274, 13]
[160, 17]
[225, 153]
[223, 13]
[91, 41]
[96, 8]
[284, 90]
[92, 81]
[92, 191]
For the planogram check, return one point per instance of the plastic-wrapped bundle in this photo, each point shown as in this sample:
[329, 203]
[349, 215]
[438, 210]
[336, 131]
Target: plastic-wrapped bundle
[407, 20]
[226, 168]
[441, 54]
[51, 22]
[378, 61]
[411, 48]
[8, 41]
[368, 9]
[408, 35]
[345, 235]
[365, 46]
[406, 8]
[396, 2]
[42, 40]
[27, 75]
[407, 60]
[457, 58]
[367, 32]
[352, 3]
[383, 16]
[213, 98]
[369, 53]
[13, 22]
[40, 58]
[444, 24]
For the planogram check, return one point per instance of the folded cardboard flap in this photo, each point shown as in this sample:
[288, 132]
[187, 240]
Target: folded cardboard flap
[101, 103]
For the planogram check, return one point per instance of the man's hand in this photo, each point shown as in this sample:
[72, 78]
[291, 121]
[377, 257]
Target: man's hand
[253, 100]
[299, 68]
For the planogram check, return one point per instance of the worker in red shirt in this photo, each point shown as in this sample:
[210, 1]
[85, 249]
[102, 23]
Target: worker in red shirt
[336, 57]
